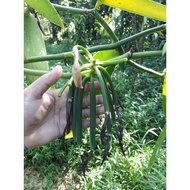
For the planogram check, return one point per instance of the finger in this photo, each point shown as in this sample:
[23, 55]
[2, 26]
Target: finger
[86, 101]
[86, 122]
[42, 84]
[96, 85]
[99, 111]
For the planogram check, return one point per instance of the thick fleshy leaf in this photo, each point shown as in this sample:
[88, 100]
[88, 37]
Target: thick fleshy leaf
[147, 8]
[164, 94]
[106, 55]
[33, 45]
[46, 9]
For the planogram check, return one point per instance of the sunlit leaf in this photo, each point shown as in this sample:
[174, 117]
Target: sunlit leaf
[164, 94]
[106, 55]
[46, 9]
[147, 8]
[69, 135]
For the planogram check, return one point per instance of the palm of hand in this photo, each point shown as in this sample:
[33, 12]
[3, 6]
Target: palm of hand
[45, 112]
[47, 118]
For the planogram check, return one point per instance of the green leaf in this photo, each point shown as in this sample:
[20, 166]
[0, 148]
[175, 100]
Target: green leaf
[147, 8]
[106, 55]
[46, 9]
[158, 144]
[33, 45]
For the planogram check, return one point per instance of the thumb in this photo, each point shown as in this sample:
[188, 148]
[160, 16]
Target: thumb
[42, 84]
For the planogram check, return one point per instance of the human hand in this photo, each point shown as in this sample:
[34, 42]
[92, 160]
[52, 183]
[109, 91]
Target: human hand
[45, 112]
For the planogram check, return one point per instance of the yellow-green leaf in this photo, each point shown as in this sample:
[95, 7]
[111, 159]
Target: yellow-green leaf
[106, 55]
[164, 85]
[147, 8]
[164, 94]
[46, 9]
[69, 135]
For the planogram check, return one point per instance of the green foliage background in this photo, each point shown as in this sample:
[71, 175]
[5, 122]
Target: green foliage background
[50, 167]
